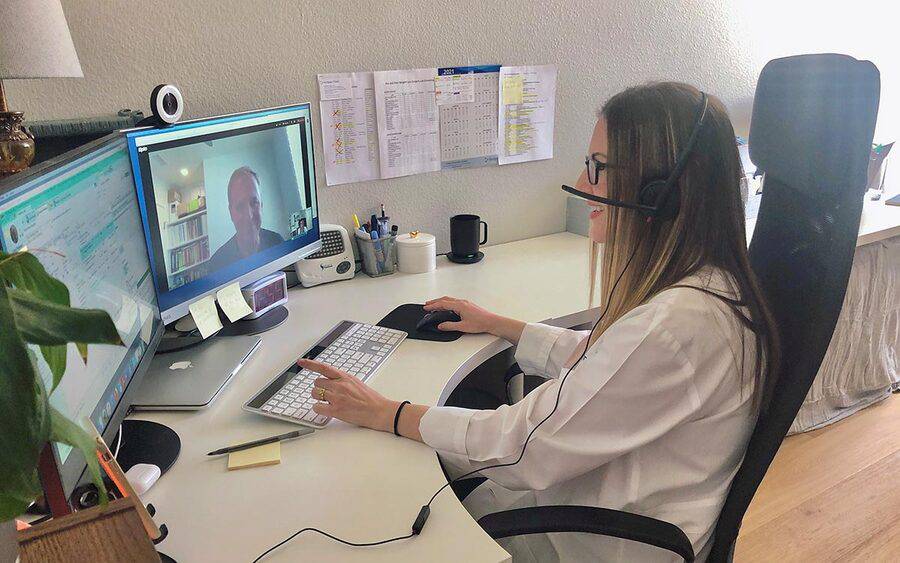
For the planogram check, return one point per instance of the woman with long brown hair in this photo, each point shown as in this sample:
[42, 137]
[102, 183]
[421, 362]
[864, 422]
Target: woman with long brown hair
[651, 411]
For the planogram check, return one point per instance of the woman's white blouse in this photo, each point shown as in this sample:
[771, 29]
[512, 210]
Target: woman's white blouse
[654, 420]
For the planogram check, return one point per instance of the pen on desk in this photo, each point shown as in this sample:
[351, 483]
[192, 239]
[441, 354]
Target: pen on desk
[263, 441]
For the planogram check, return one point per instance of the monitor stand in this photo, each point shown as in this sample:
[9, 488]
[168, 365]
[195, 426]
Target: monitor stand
[189, 338]
[269, 320]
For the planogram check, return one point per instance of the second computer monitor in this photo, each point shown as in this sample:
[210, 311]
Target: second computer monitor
[223, 200]
[79, 216]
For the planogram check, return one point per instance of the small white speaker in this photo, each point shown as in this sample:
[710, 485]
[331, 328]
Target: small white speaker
[333, 262]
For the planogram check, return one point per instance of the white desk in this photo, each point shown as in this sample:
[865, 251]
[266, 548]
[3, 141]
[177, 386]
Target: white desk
[359, 484]
[859, 367]
[878, 221]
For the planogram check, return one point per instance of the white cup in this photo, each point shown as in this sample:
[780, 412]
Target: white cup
[416, 254]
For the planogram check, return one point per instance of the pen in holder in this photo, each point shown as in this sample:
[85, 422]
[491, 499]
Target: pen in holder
[379, 256]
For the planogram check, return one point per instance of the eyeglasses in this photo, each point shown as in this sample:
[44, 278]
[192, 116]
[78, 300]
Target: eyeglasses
[594, 166]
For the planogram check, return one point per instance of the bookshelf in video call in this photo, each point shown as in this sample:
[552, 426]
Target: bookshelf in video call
[188, 241]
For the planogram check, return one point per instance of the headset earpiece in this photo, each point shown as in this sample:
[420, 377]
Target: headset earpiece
[664, 196]
[664, 202]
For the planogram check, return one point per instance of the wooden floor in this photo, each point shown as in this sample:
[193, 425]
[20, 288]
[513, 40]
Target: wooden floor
[831, 494]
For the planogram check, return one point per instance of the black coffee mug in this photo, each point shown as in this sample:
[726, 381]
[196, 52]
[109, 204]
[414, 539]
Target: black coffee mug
[464, 231]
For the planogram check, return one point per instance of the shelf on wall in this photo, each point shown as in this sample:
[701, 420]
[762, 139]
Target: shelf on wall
[188, 216]
[186, 268]
[188, 243]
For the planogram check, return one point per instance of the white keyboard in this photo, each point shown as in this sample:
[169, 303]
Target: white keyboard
[357, 348]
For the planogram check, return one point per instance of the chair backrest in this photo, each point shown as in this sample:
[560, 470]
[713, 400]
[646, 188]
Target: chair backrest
[810, 134]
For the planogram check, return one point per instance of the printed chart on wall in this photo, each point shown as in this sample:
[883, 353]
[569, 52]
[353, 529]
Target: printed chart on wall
[407, 122]
[467, 101]
[526, 114]
[349, 127]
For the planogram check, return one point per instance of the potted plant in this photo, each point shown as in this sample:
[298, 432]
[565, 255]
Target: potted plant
[35, 310]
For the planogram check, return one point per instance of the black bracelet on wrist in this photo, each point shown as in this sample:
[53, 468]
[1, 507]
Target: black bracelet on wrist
[397, 416]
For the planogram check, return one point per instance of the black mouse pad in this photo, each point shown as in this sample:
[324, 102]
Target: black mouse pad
[405, 318]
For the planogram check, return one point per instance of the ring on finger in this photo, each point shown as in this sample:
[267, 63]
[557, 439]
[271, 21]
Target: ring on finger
[321, 391]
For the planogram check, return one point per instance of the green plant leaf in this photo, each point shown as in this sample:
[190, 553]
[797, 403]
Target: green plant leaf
[82, 350]
[23, 413]
[55, 356]
[46, 323]
[24, 271]
[51, 326]
[15, 497]
[67, 432]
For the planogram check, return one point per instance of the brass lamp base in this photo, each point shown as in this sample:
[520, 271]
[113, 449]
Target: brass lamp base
[16, 143]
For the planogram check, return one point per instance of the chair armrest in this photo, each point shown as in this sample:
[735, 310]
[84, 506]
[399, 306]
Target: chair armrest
[511, 372]
[591, 520]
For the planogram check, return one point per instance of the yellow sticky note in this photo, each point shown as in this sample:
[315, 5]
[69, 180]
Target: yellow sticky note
[268, 454]
[232, 302]
[205, 316]
[513, 87]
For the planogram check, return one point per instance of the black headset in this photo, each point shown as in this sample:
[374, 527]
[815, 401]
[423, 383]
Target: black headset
[658, 200]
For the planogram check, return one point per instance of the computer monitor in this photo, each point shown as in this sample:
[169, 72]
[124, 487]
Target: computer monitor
[78, 214]
[225, 199]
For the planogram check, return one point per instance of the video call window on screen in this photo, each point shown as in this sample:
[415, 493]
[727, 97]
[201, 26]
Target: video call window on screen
[226, 197]
[224, 200]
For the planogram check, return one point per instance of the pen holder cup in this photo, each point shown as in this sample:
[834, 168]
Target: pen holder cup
[379, 257]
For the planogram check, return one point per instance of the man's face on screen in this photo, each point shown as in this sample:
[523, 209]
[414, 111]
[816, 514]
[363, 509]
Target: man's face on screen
[246, 210]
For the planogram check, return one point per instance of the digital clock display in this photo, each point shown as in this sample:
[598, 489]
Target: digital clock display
[269, 294]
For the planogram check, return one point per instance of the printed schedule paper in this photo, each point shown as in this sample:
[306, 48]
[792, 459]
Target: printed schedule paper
[469, 128]
[407, 122]
[526, 114]
[454, 85]
[349, 127]
[335, 86]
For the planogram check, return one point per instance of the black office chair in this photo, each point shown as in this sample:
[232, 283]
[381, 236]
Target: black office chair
[812, 128]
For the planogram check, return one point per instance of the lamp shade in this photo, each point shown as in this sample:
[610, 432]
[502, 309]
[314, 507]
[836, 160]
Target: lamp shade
[35, 41]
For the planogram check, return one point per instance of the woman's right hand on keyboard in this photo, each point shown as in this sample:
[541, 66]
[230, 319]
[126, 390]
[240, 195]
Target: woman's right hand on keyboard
[474, 319]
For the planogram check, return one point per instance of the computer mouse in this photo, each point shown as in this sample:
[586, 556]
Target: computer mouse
[142, 476]
[430, 322]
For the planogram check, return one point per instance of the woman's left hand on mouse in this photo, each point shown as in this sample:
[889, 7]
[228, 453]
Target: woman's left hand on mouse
[474, 319]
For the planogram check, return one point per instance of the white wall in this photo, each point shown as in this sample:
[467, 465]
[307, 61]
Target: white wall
[235, 55]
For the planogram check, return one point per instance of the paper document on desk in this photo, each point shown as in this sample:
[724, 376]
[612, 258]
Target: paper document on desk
[349, 127]
[469, 128]
[526, 114]
[407, 122]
